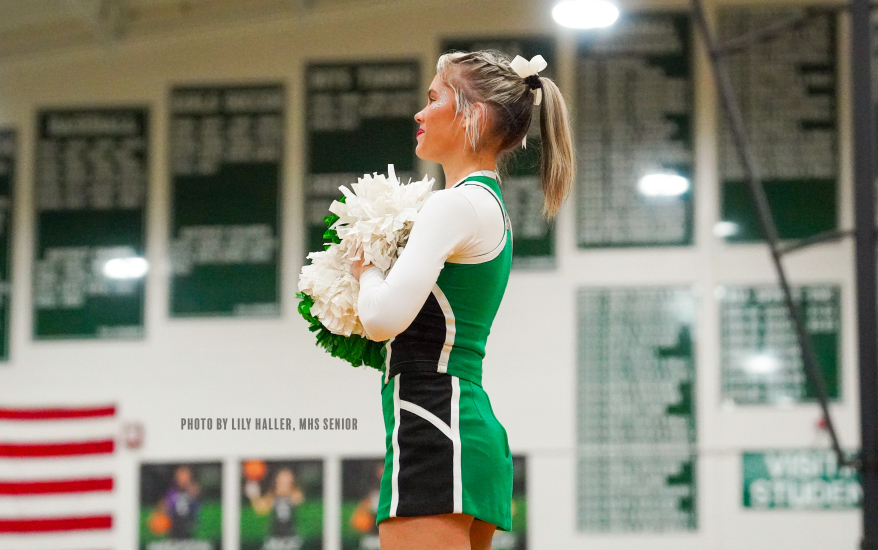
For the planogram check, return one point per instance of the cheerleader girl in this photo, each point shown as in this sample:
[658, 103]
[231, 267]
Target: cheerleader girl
[447, 482]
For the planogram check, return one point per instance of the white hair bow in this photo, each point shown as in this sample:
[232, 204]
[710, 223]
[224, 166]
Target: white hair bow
[525, 68]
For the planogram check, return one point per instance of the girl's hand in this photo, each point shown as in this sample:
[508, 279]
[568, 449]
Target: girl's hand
[357, 268]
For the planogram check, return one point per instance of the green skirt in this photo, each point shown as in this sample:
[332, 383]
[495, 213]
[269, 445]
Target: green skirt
[446, 451]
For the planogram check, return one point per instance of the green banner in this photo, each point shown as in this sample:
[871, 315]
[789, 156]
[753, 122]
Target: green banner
[534, 236]
[635, 133]
[799, 480]
[360, 118]
[786, 88]
[227, 150]
[91, 186]
[7, 184]
[761, 359]
[636, 419]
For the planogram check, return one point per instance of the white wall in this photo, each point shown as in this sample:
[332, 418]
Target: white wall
[250, 367]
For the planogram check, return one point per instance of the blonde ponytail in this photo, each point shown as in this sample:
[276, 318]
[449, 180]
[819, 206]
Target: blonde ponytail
[557, 167]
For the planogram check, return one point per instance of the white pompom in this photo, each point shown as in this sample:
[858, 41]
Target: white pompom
[373, 224]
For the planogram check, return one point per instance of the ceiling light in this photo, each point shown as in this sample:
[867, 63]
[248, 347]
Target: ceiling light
[585, 14]
[126, 268]
[663, 185]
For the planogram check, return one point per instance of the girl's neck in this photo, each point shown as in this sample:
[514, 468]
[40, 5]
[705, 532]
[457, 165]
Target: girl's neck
[456, 171]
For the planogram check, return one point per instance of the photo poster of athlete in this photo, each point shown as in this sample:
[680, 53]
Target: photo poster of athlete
[281, 504]
[516, 539]
[181, 506]
[360, 488]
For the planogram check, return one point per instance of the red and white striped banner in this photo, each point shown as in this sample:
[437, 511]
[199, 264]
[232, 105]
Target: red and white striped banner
[57, 467]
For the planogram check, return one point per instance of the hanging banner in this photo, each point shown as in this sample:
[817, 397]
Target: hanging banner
[533, 245]
[787, 90]
[636, 418]
[7, 184]
[635, 125]
[761, 358]
[227, 151]
[91, 185]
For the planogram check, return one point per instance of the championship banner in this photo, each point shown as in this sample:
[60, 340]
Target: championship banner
[227, 151]
[7, 183]
[799, 479]
[281, 505]
[181, 506]
[91, 174]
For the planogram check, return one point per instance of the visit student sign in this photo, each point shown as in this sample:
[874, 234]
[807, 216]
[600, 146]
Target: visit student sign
[799, 479]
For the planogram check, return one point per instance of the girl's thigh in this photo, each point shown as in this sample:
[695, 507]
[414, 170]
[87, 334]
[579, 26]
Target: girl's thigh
[439, 532]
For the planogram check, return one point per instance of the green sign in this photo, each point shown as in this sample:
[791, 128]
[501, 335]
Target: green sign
[534, 236]
[91, 175]
[786, 88]
[634, 133]
[799, 480]
[761, 359]
[360, 118]
[226, 151]
[7, 183]
[636, 418]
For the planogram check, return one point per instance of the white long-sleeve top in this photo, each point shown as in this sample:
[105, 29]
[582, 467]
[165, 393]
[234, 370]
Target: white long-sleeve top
[460, 224]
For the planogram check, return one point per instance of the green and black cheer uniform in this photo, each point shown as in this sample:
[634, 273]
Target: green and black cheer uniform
[446, 451]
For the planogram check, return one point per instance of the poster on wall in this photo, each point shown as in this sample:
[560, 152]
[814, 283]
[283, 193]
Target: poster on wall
[516, 538]
[281, 504]
[181, 506]
[786, 88]
[761, 361]
[360, 118]
[634, 136]
[636, 419]
[533, 245]
[89, 268]
[799, 479]
[7, 184]
[226, 148]
[360, 489]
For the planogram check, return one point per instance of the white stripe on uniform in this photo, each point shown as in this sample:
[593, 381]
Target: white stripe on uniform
[455, 440]
[450, 328]
[394, 478]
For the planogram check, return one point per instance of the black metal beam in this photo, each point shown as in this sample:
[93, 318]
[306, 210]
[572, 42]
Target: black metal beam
[826, 236]
[736, 124]
[864, 219]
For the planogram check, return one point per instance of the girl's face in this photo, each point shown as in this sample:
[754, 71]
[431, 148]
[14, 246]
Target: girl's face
[440, 133]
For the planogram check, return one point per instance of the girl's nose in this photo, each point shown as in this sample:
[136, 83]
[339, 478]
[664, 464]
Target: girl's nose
[419, 116]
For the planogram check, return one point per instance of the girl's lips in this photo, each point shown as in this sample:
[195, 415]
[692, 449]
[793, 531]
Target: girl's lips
[420, 131]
